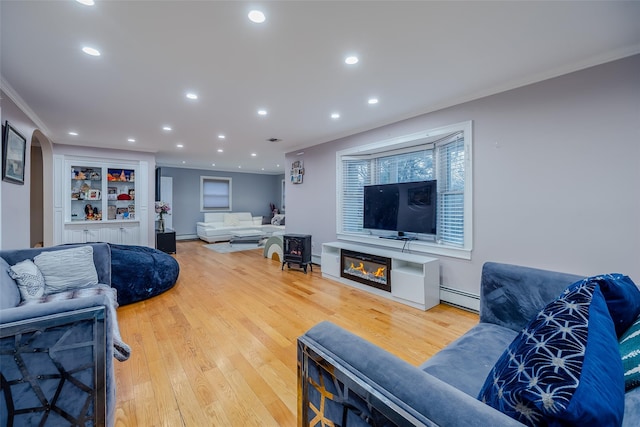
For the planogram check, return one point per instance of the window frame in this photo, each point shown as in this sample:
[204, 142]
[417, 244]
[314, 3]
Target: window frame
[413, 142]
[222, 179]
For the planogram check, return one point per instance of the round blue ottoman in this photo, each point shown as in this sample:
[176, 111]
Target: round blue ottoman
[140, 272]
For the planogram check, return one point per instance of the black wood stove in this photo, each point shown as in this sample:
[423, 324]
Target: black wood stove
[296, 249]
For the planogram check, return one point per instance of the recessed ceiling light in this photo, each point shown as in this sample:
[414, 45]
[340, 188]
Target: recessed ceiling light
[262, 112]
[262, 169]
[335, 115]
[73, 133]
[131, 140]
[351, 60]
[373, 101]
[192, 95]
[256, 16]
[167, 128]
[213, 164]
[239, 167]
[220, 150]
[91, 51]
[221, 136]
[180, 145]
[184, 161]
[277, 166]
[253, 154]
[86, 2]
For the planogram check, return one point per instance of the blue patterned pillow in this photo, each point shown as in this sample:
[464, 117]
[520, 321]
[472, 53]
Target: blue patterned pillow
[564, 368]
[630, 353]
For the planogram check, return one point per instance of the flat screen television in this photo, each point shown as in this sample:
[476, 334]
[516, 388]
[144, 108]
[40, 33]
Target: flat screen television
[405, 207]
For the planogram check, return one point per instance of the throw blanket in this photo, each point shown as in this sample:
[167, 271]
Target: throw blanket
[121, 351]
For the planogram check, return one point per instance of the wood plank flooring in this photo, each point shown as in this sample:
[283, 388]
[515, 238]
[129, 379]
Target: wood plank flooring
[219, 349]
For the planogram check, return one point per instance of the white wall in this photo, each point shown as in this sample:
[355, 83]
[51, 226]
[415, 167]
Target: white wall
[15, 202]
[556, 176]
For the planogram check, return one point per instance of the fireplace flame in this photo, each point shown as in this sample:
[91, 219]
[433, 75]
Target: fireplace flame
[378, 273]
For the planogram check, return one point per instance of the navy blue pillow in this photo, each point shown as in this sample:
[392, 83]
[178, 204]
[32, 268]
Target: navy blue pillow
[564, 368]
[623, 299]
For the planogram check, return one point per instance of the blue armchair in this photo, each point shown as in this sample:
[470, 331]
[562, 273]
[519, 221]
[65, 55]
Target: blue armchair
[56, 358]
[346, 380]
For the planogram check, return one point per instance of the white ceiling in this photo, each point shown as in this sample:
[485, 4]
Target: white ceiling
[415, 57]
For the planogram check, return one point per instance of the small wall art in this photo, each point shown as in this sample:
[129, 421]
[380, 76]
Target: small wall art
[297, 172]
[14, 146]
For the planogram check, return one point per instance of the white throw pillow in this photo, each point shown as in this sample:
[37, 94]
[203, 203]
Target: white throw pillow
[277, 219]
[29, 278]
[67, 269]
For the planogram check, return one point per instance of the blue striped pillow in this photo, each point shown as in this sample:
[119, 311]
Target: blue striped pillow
[630, 353]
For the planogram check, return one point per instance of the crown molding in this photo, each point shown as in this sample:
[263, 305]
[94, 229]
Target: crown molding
[22, 105]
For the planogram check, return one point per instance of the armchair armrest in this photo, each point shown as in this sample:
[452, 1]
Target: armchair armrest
[357, 379]
[66, 350]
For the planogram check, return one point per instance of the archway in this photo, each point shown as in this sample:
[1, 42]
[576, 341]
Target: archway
[43, 189]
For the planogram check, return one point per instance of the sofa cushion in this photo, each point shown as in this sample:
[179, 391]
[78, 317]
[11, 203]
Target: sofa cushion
[630, 353]
[231, 220]
[67, 269]
[466, 362]
[564, 368]
[9, 292]
[29, 278]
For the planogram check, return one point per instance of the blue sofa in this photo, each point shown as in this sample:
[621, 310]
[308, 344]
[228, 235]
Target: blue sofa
[349, 381]
[56, 358]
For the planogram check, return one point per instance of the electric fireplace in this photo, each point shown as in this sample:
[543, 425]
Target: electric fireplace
[372, 270]
[296, 249]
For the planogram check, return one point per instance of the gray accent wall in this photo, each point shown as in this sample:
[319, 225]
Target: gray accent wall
[556, 176]
[251, 192]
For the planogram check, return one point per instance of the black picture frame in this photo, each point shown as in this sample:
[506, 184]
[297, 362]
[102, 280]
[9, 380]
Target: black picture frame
[14, 146]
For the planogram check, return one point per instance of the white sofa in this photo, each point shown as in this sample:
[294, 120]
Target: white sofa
[219, 226]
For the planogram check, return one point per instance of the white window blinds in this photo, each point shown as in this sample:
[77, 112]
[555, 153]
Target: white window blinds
[215, 193]
[444, 162]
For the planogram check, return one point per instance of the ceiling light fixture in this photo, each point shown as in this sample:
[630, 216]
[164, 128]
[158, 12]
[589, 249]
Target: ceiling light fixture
[262, 112]
[131, 140]
[213, 164]
[86, 2]
[72, 133]
[167, 128]
[351, 60]
[335, 115]
[91, 51]
[373, 101]
[256, 16]
[221, 136]
[253, 154]
[220, 150]
[192, 95]
[180, 145]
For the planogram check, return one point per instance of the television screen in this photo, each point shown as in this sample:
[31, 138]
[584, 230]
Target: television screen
[402, 207]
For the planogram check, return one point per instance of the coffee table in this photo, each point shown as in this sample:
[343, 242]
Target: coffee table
[247, 236]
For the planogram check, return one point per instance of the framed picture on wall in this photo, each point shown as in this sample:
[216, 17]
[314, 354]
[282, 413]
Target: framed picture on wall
[14, 146]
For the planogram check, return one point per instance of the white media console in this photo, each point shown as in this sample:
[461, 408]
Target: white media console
[415, 279]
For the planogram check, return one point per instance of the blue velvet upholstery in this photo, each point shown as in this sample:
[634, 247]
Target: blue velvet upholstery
[623, 299]
[483, 344]
[9, 293]
[140, 272]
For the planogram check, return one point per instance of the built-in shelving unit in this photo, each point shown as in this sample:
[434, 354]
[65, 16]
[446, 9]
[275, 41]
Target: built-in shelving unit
[415, 279]
[98, 202]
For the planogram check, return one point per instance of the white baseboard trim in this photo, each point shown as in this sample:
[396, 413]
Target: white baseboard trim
[187, 237]
[460, 298]
[316, 259]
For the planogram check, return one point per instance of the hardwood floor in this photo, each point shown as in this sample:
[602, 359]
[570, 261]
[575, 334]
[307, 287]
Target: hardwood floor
[220, 347]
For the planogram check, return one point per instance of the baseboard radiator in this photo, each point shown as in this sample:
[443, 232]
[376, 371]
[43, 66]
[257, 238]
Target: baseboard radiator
[460, 298]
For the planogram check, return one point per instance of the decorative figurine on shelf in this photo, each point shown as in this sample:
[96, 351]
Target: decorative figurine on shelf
[88, 211]
[123, 177]
[161, 209]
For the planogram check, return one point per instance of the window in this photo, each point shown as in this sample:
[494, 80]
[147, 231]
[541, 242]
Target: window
[215, 193]
[443, 154]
